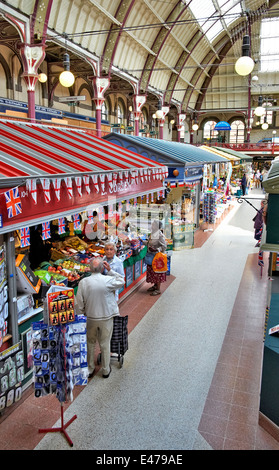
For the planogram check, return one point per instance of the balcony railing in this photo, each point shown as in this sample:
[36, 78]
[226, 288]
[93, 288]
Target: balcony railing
[269, 147]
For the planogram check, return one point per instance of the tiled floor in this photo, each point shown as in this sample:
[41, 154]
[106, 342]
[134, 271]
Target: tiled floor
[19, 426]
[230, 416]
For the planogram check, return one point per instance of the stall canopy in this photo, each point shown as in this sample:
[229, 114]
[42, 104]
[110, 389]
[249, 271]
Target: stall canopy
[219, 152]
[222, 126]
[48, 171]
[165, 151]
[243, 157]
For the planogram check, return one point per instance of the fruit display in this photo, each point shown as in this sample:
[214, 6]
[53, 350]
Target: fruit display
[70, 274]
[72, 264]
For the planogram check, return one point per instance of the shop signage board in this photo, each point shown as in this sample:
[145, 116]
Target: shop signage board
[66, 204]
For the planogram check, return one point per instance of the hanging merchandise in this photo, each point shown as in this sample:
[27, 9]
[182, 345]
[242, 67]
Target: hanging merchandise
[13, 202]
[11, 375]
[3, 297]
[60, 358]
[209, 207]
[60, 306]
[24, 237]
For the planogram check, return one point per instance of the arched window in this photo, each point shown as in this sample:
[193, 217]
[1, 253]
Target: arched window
[120, 115]
[143, 118]
[104, 111]
[237, 132]
[208, 131]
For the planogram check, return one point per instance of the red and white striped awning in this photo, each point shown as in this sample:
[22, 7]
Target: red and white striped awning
[30, 150]
[60, 170]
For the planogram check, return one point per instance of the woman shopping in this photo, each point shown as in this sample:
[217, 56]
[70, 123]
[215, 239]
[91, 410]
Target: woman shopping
[156, 243]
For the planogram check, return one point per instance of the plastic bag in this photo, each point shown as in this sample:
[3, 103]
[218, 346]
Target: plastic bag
[160, 263]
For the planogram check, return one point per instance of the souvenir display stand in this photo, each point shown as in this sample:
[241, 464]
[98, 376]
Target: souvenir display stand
[47, 213]
[59, 351]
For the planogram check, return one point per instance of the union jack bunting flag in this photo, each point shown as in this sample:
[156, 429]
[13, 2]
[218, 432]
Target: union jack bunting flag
[90, 217]
[61, 225]
[24, 237]
[260, 259]
[13, 202]
[46, 230]
[76, 222]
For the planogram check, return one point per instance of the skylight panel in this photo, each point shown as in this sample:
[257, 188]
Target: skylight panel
[214, 30]
[269, 45]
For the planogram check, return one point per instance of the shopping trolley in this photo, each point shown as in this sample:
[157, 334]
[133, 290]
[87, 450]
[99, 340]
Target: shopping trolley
[119, 339]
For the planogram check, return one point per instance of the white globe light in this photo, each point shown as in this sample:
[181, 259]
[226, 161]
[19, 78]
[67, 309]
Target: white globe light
[264, 126]
[195, 127]
[42, 77]
[259, 111]
[159, 113]
[244, 65]
[66, 78]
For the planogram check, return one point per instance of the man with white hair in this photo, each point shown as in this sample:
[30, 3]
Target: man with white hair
[95, 298]
[115, 263]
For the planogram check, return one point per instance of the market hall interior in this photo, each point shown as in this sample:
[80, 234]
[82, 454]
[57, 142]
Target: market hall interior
[191, 375]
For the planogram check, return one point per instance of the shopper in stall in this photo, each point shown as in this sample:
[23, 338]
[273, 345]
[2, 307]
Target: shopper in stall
[156, 243]
[259, 220]
[95, 298]
[115, 263]
[244, 184]
[93, 231]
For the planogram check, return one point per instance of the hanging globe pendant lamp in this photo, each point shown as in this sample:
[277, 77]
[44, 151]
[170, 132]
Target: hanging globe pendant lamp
[244, 65]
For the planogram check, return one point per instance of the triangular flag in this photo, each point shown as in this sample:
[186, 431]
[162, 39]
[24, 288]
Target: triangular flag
[78, 184]
[86, 183]
[57, 185]
[46, 188]
[95, 181]
[69, 185]
[31, 186]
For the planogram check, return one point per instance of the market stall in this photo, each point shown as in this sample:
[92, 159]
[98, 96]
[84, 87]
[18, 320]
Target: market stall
[183, 186]
[63, 194]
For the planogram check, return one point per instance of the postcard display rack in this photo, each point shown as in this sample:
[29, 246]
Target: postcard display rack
[59, 349]
[210, 207]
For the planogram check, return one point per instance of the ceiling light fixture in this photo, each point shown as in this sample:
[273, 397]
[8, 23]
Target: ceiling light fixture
[66, 78]
[159, 112]
[42, 77]
[260, 110]
[245, 64]
[265, 124]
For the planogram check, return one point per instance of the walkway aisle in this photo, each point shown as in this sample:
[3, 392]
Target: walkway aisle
[156, 401]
